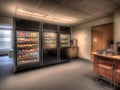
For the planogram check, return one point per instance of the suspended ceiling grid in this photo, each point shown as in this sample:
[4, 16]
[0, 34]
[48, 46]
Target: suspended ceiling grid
[79, 11]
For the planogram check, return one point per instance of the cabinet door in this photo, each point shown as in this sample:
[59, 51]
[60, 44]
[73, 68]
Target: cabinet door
[101, 36]
[50, 55]
[73, 52]
[27, 47]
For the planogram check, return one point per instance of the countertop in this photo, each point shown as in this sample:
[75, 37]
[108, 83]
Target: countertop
[116, 57]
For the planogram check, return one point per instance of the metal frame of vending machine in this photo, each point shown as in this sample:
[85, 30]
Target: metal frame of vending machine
[26, 44]
[64, 43]
[49, 44]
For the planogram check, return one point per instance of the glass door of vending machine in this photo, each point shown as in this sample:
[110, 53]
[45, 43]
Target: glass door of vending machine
[27, 47]
[49, 48]
[64, 40]
[64, 47]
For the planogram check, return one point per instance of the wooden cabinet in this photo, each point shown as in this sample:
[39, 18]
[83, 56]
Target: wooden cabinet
[72, 52]
[102, 36]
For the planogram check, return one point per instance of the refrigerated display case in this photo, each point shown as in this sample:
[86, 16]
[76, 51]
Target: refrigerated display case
[37, 44]
[27, 47]
[26, 44]
[50, 44]
[64, 43]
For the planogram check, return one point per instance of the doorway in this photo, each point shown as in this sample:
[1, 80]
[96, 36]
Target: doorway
[6, 63]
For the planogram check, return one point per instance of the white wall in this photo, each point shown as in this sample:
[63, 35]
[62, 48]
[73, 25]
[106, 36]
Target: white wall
[117, 26]
[83, 34]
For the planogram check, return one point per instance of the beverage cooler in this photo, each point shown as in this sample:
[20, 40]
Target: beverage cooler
[49, 44]
[64, 43]
[26, 44]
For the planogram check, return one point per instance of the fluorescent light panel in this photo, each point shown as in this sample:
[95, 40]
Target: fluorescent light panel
[31, 13]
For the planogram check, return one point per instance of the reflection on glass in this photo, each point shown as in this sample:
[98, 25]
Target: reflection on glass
[65, 40]
[49, 40]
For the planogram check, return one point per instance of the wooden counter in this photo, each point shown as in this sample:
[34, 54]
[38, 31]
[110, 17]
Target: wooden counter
[106, 66]
[107, 56]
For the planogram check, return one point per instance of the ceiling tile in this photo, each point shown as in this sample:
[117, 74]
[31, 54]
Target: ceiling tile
[79, 14]
[95, 8]
[58, 1]
[61, 10]
[106, 6]
[117, 2]
[47, 6]
[27, 3]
